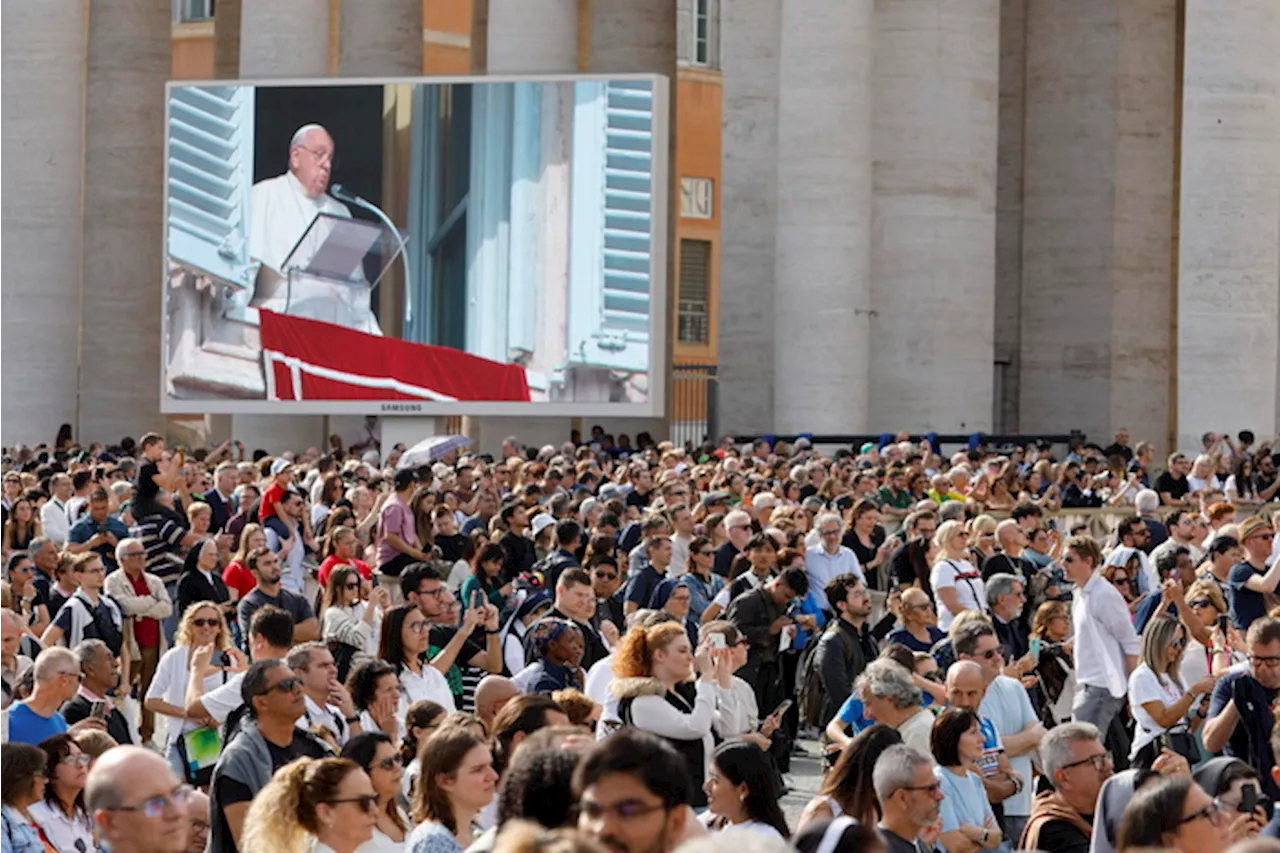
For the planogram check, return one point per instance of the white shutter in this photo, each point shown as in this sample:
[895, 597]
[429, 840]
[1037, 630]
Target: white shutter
[611, 268]
[210, 178]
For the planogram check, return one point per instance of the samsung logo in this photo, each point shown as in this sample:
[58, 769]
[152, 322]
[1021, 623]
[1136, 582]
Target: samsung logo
[401, 407]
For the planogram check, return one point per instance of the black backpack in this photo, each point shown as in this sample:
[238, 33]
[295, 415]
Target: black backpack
[812, 696]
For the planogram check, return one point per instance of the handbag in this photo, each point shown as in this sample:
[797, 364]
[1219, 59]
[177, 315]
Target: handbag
[1183, 743]
[199, 750]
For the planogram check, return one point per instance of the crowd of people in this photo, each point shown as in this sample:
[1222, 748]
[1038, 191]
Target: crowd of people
[605, 647]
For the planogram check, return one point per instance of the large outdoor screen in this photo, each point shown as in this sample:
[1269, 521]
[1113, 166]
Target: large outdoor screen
[434, 246]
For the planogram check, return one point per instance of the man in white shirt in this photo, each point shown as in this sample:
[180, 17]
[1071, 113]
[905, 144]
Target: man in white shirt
[270, 636]
[53, 515]
[1107, 647]
[828, 559]
[330, 714]
[281, 211]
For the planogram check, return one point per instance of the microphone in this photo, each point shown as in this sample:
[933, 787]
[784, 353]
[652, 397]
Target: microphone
[339, 192]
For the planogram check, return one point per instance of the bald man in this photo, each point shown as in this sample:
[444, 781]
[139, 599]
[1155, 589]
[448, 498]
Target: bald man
[282, 209]
[492, 693]
[139, 806]
[198, 815]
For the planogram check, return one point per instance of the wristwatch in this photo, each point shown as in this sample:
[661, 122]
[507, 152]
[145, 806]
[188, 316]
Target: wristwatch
[354, 719]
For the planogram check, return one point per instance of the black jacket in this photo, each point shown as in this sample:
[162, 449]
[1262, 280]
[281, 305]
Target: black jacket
[752, 613]
[222, 510]
[78, 708]
[518, 555]
[841, 657]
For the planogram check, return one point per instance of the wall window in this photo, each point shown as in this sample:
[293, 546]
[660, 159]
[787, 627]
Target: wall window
[693, 316]
[697, 23]
[190, 11]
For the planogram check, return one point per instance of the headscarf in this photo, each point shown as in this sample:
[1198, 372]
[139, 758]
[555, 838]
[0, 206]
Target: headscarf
[547, 631]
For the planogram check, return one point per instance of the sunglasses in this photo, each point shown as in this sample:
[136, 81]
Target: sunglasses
[369, 802]
[607, 576]
[1200, 603]
[390, 763]
[284, 685]
[705, 553]
[205, 623]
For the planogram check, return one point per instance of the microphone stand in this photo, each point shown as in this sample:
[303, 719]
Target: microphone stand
[341, 194]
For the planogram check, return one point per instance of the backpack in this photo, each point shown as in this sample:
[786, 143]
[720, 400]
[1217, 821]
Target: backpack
[813, 698]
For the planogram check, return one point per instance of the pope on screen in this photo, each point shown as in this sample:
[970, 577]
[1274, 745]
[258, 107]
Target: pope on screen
[281, 210]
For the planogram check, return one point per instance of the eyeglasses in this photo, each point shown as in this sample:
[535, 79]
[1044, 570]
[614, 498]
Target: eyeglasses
[1259, 660]
[1200, 603]
[1265, 537]
[389, 763]
[73, 760]
[607, 576]
[1120, 581]
[680, 598]
[79, 676]
[205, 623]
[417, 627]
[989, 654]
[154, 807]
[369, 802]
[438, 592]
[624, 810]
[926, 606]
[932, 788]
[1212, 813]
[284, 685]
[1101, 761]
[1179, 643]
[133, 553]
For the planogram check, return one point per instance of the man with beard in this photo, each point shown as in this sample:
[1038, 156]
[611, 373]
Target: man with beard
[265, 566]
[632, 789]
[909, 797]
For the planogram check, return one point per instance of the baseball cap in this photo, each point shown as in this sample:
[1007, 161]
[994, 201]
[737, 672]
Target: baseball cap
[279, 465]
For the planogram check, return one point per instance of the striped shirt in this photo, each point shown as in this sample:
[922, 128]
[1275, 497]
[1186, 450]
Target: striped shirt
[162, 538]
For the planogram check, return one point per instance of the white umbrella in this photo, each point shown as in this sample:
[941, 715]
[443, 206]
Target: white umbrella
[430, 449]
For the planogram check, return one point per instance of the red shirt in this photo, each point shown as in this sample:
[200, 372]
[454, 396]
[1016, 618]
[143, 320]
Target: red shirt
[332, 561]
[272, 496]
[239, 578]
[145, 631]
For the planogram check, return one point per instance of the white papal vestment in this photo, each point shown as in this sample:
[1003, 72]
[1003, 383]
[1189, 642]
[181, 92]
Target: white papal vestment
[280, 213]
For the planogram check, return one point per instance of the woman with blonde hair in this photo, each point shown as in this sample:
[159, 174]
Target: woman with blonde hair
[239, 580]
[982, 539]
[957, 584]
[324, 805]
[202, 625]
[457, 781]
[647, 667]
[1159, 698]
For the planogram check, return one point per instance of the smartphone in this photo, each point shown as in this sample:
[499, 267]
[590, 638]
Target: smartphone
[1223, 623]
[717, 642]
[477, 599]
[220, 658]
[1163, 742]
[1035, 648]
[782, 709]
[98, 709]
[1248, 798]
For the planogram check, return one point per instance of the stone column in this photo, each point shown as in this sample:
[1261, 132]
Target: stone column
[123, 218]
[530, 36]
[822, 296]
[1229, 217]
[750, 48]
[1009, 169]
[380, 38]
[937, 67]
[44, 93]
[1099, 140]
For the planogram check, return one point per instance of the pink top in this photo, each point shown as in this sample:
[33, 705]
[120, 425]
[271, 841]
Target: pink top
[397, 518]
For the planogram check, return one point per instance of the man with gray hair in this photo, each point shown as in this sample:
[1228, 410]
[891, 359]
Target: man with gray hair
[889, 695]
[137, 804]
[99, 685]
[57, 678]
[1007, 596]
[829, 559]
[909, 797]
[737, 526]
[1077, 764]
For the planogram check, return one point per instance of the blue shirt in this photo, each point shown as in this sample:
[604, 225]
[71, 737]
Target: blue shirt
[26, 726]
[853, 714]
[86, 528]
[642, 585]
[1246, 605]
[965, 800]
[902, 635]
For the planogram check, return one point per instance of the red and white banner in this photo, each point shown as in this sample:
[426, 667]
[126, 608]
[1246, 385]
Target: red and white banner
[311, 360]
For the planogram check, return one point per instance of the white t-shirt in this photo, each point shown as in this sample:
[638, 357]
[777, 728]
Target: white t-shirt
[170, 684]
[1144, 687]
[1008, 706]
[1199, 485]
[221, 701]
[961, 576]
[430, 684]
[292, 576]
